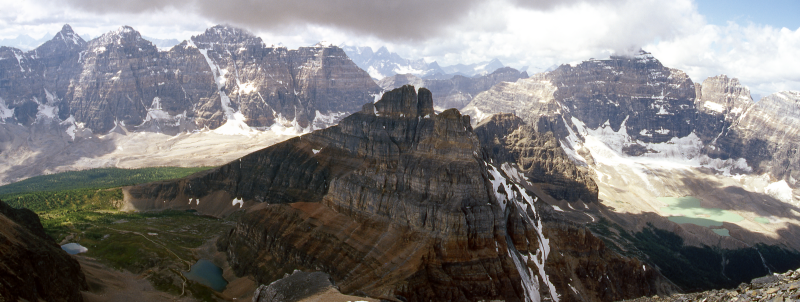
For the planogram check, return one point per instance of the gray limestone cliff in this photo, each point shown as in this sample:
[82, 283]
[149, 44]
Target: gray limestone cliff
[223, 75]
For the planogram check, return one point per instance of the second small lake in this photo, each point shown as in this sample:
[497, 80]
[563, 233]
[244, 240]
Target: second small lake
[208, 274]
[74, 248]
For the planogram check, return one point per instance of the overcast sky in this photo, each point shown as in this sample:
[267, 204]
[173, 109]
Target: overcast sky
[757, 42]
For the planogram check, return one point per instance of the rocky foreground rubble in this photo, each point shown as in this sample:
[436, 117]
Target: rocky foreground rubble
[773, 288]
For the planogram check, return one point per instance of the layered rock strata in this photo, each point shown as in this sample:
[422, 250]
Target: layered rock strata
[225, 75]
[33, 267]
[400, 203]
[537, 155]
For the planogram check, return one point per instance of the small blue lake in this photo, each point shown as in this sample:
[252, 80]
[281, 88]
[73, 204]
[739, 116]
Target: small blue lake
[208, 274]
[74, 248]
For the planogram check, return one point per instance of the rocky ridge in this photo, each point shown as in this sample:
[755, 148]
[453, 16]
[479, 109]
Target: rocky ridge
[775, 287]
[415, 208]
[33, 266]
[223, 75]
[457, 91]
[382, 63]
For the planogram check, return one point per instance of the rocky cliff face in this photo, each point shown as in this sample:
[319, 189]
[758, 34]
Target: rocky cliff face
[653, 103]
[721, 94]
[537, 155]
[223, 75]
[457, 91]
[766, 134]
[33, 266]
[640, 108]
[400, 203]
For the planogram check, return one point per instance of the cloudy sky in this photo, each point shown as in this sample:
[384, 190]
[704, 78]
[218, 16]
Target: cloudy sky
[759, 43]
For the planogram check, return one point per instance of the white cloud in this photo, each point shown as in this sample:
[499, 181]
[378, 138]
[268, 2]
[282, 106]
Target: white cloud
[762, 57]
[536, 33]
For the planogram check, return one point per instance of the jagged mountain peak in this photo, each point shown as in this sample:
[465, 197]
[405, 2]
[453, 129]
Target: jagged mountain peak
[226, 34]
[618, 61]
[68, 35]
[64, 38]
[723, 95]
[405, 102]
[123, 35]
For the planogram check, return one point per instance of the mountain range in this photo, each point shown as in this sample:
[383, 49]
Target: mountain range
[382, 63]
[599, 181]
[70, 96]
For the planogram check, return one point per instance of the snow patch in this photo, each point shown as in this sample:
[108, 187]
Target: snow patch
[5, 112]
[282, 126]
[606, 147]
[238, 201]
[19, 60]
[557, 208]
[780, 190]
[715, 107]
[235, 125]
[315, 151]
[322, 121]
[377, 96]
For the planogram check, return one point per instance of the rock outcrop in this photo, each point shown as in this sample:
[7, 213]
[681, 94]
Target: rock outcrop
[33, 266]
[767, 135]
[537, 155]
[295, 287]
[721, 94]
[400, 203]
[775, 287]
[456, 91]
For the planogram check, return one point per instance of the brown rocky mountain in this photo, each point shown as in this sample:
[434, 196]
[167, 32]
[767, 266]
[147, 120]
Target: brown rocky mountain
[33, 267]
[397, 202]
[455, 92]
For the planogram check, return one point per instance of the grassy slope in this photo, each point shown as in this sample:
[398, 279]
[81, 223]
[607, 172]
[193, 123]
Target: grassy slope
[82, 207]
[101, 178]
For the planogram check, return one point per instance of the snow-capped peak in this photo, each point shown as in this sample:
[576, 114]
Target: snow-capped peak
[69, 36]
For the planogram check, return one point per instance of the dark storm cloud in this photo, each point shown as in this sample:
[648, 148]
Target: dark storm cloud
[551, 4]
[386, 19]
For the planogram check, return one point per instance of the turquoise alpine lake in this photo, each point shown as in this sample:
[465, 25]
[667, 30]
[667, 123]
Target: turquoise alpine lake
[74, 248]
[688, 210]
[208, 274]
